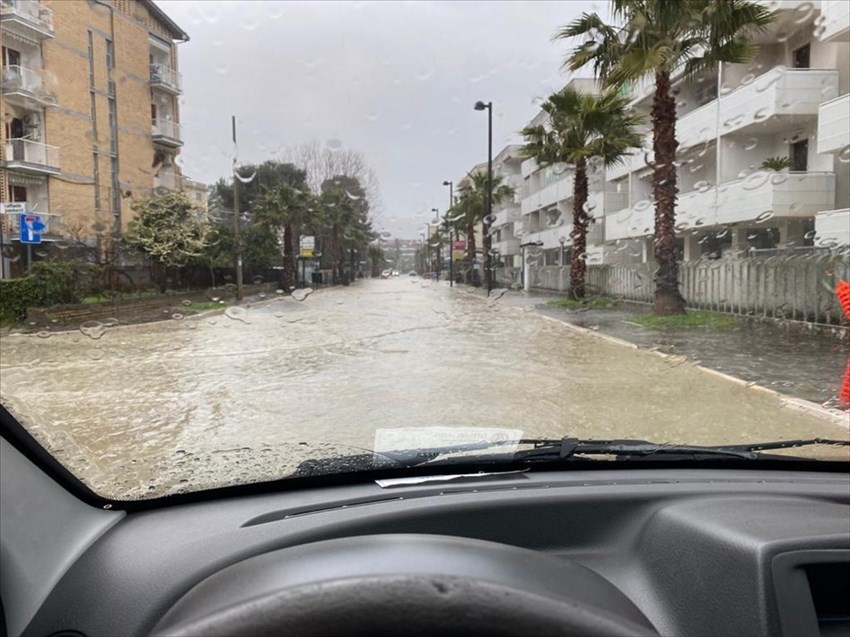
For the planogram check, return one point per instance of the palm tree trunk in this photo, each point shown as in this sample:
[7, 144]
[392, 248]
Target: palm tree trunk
[470, 252]
[288, 268]
[668, 299]
[578, 261]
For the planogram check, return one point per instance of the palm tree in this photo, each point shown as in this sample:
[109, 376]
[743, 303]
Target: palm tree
[580, 127]
[659, 38]
[471, 205]
[284, 207]
[346, 223]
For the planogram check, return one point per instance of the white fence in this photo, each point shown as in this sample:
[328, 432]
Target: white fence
[798, 287]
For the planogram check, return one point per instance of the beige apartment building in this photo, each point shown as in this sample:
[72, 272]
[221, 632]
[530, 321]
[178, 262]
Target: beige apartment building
[90, 113]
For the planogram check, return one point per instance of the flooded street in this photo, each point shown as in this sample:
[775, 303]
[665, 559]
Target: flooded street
[197, 402]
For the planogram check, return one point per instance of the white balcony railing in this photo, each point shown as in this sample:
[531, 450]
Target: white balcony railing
[755, 200]
[29, 154]
[507, 247]
[28, 82]
[832, 228]
[553, 193]
[165, 77]
[836, 21]
[549, 238]
[29, 16]
[166, 130]
[167, 179]
[776, 93]
[834, 125]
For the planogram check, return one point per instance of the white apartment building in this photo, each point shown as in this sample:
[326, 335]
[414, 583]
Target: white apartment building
[792, 101]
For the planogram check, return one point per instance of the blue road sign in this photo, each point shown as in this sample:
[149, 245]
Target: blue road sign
[31, 228]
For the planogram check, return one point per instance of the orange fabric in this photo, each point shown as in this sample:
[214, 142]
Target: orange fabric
[842, 291]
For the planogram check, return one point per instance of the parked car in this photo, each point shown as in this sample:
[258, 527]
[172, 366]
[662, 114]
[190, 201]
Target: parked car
[386, 274]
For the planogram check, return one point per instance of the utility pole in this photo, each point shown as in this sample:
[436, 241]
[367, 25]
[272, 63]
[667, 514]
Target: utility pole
[237, 237]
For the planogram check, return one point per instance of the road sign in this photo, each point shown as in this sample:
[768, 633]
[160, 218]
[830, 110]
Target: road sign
[307, 246]
[31, 228]
[14, 208]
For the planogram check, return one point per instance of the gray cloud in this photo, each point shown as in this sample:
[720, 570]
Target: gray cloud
[395, 80]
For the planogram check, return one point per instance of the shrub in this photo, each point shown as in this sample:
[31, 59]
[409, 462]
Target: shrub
[49, 283]
[16, 295]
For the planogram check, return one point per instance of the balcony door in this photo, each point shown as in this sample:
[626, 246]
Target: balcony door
[802, 57]
[800, 156]
[11, 57]
[14, 128]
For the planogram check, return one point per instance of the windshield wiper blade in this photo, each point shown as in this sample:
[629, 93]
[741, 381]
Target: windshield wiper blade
[540, 450]
[623, 449]
[555, 450]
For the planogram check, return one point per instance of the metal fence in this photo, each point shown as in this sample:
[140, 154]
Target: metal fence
[797, 287]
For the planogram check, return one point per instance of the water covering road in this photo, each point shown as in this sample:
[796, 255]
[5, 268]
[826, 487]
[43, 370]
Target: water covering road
[191, 403]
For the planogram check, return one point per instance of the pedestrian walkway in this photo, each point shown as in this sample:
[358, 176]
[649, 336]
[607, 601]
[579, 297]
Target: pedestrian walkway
[802, 365]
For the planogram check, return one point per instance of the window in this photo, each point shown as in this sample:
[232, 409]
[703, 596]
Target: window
[96, 178]
[91, 59]
[110, 55]
[11, 57]
[14, 128]
[93, 113]
[800, 156]
[800, 57]
[17, 193]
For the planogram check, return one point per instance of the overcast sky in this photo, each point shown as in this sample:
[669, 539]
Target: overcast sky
[394, 80]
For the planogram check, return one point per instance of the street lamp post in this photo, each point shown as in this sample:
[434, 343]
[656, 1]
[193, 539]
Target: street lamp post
[488, 218]
[449, 233]
[438, 250]
[237, 239]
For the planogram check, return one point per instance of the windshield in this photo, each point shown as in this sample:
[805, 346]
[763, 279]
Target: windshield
[244, 242]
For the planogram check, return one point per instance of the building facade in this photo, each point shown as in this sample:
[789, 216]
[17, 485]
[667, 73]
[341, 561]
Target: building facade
[791, 102]
[90, 113]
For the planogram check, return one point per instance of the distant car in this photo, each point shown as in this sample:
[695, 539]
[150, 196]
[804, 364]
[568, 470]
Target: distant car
[386, 274]
[396, 273]
[412, 273]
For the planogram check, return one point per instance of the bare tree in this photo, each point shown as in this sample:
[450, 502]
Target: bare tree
[325, 161]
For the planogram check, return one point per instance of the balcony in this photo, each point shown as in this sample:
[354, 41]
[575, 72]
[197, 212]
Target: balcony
[28, 18]
[754, 200]
[167, 179]
[779, 95]
[832, 228]
[166, 132]
[165, 78]
[24, 87]
[834, 125]
[549, 238]
[836, 21]
[550, 195]
[771, 102]
[632, 163]
[506, 214]
[31, 157]
[507, 247]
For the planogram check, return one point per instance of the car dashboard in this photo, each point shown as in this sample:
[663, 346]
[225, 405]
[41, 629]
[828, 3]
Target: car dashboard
[682, 551]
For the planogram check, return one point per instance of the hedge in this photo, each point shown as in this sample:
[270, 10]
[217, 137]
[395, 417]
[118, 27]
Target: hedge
[49, 283]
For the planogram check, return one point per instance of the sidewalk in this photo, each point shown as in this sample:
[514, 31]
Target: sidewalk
[804, 366]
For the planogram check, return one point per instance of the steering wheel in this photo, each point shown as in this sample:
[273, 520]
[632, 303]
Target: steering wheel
[411, 585]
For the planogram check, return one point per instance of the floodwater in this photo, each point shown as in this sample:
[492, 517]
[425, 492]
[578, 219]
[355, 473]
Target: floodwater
[246, 395]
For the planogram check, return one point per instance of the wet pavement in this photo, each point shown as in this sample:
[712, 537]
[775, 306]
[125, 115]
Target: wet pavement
[248, 394]
[803, 365]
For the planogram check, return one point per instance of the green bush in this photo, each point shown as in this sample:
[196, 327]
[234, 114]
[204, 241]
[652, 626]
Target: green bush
[49, 283]
[16, 295]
